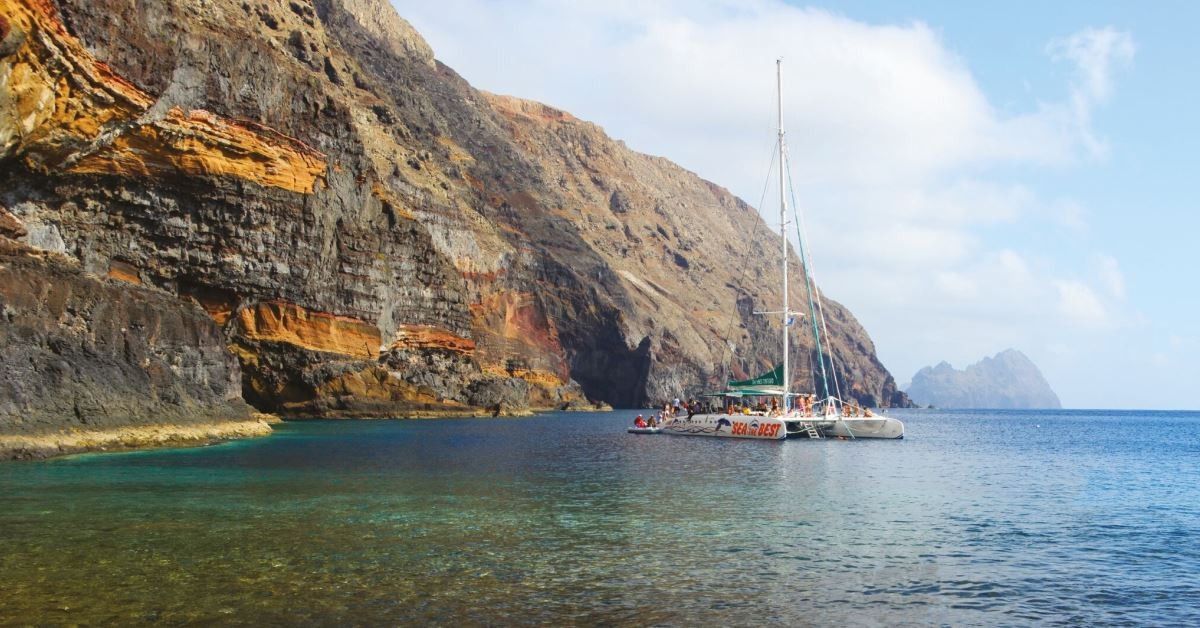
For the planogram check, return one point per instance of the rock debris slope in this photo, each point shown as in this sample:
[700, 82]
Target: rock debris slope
[373, 236]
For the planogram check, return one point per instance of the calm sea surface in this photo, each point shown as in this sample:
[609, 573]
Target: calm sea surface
[1077, 517]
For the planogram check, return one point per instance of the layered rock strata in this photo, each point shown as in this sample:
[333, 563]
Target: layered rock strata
[90, 363]
[374, 236]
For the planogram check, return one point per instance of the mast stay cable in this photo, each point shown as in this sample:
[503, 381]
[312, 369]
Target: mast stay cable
[810, 278]
[726, 349]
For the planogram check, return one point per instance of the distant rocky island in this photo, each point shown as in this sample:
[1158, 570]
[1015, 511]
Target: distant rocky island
[1008, 380]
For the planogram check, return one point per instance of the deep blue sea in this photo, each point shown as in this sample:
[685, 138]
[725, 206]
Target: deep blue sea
[976, 518]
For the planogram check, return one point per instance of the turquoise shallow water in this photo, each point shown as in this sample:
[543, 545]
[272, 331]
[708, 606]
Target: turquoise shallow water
[975, 518]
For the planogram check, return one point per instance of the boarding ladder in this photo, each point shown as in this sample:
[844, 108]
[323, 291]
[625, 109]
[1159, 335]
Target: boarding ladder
[811, 430]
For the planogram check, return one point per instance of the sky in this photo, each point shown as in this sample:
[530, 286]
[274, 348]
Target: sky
[973, 176]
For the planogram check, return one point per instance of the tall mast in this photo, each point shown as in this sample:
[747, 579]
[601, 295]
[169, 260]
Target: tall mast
[782, 230]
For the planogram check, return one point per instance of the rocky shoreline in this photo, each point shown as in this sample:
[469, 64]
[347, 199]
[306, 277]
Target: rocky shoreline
[42, 446]
[38, 446]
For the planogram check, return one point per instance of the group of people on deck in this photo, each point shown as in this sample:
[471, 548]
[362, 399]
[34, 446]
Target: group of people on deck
[671, 410]
[759, 409]
[851, 409]
[805, 406]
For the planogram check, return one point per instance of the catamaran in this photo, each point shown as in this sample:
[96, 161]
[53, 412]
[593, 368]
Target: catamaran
[791, 415]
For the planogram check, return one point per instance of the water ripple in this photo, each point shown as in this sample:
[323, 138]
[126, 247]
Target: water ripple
[565, 519]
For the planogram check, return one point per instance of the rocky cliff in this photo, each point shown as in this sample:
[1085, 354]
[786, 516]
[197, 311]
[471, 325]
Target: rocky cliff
[373, 236]
[90, 363]
[1008, 380]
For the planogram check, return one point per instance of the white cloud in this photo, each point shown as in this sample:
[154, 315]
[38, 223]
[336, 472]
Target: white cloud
[1070, 215]
[1094, 53]
[865, 104]
[960, 286]
[901, 245]
[1013, 265]
[1060, 349]
[1111, 276]
[895, 148]
[1079, 304]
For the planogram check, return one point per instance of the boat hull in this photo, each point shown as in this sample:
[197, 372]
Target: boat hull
[728, 426]
[643, 430]
[866, 427]
[776, 428]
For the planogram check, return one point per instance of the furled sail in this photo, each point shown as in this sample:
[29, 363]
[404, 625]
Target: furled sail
[773, 378]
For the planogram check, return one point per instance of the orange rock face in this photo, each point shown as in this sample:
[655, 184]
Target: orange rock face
[279, 321]
[10, 226]
[423, 337]
[56, 96]
[513, 329]
[219, 304]
[375, 385]
[123, 272]
[537, 377]
[201, 144]
[60, 106]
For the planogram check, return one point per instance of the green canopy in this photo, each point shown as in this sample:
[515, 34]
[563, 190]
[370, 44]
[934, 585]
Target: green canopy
[772, 378]
[751, 392]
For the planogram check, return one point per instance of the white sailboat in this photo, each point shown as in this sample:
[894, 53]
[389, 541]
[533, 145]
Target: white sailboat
[828, 417]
